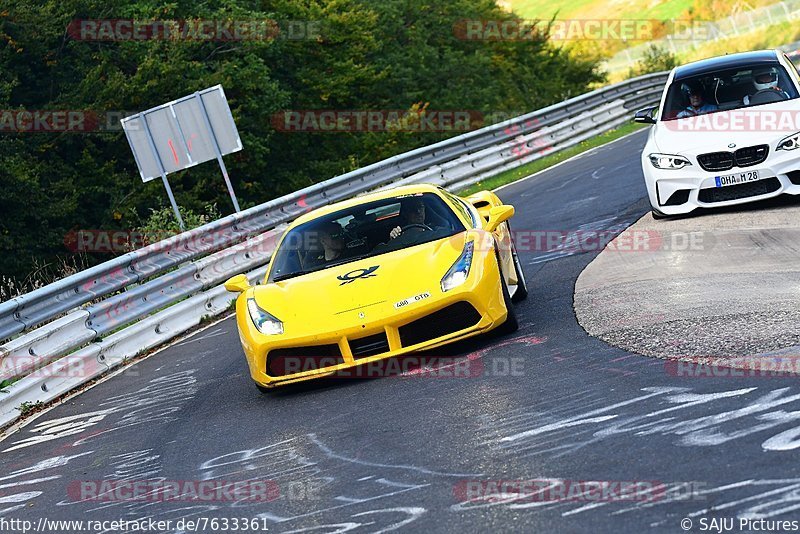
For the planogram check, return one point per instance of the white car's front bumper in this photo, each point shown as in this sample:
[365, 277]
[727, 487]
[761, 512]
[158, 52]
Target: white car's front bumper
[668, 188]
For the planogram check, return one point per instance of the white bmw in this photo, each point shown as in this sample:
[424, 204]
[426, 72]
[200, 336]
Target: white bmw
[727, 131]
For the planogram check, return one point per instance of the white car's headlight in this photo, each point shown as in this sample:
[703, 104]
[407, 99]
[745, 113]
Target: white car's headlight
[668, 161]
[790, 143]
[265, 322]
[457, 274]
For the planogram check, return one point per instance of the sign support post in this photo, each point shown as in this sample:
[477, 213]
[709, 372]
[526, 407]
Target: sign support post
[163, 174]
[216, 150]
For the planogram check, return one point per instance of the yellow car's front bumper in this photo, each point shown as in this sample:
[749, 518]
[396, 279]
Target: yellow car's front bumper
[468, 310]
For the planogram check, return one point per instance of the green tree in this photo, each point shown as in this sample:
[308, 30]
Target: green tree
[393, 54]
[655, 59]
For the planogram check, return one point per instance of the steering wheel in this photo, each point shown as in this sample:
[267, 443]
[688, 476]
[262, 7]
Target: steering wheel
[766, 96]
[416, 225]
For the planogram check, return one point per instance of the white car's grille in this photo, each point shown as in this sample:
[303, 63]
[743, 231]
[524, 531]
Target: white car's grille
[751, 155]
[744, 157]
[716, 161]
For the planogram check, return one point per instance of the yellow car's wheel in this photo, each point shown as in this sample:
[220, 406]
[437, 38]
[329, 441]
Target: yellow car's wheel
[511, 324]
[522, 286]
[262, 389]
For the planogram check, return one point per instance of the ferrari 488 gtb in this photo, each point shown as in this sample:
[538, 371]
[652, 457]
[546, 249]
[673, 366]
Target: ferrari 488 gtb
[376, 277]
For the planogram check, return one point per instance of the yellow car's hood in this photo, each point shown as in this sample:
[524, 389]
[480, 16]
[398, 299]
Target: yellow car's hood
[364, 291]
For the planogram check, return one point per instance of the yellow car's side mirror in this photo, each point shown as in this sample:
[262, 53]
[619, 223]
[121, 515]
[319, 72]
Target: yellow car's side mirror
[499, 215]
[237, 284]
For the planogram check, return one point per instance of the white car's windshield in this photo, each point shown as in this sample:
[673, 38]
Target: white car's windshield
[724, 90]
[362, 231]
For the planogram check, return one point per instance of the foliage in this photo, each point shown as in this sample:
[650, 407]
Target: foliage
[28, 407]
[41, 273]
[162, 223]
[771, 36]
[388, 55]
[655, 59]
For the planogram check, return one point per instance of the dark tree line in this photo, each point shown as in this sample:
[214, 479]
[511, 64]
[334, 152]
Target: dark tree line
[366, 55]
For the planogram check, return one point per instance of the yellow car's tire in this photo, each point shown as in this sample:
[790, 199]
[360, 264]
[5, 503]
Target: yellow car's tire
[511, 324]
[522, 286]
[262, 389]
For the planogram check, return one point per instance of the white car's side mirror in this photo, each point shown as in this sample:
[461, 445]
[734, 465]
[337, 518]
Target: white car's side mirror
[646, 115]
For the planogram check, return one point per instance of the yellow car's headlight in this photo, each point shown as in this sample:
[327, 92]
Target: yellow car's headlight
[265, 322]
[457, 274]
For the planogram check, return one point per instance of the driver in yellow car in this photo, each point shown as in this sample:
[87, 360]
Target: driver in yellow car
[412, 211]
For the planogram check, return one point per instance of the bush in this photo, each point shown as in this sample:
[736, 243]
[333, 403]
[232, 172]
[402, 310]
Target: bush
[162, 223]
[655, 59]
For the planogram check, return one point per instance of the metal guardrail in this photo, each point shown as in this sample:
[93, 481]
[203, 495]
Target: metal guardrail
[166, 288]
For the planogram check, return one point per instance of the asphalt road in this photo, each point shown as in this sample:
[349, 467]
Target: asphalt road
[549, 404]
[719, 285]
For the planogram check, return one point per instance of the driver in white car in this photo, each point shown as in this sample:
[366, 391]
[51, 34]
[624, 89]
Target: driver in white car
[765, 79]
[697, 105]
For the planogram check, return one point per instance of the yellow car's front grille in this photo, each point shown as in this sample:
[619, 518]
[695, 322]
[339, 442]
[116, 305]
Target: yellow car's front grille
[369, 346]
[288, 361]
[451, 319]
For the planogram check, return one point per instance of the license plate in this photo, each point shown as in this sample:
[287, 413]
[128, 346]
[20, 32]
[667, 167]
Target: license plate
[734, 179]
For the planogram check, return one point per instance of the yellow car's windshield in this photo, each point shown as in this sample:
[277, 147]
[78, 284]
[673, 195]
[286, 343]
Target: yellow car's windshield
[362, 231]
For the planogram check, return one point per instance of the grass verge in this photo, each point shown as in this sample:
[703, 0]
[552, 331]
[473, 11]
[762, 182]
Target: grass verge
[512, 175]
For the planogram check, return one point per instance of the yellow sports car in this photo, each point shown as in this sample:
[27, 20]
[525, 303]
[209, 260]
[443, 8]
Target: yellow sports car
[376, 277]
